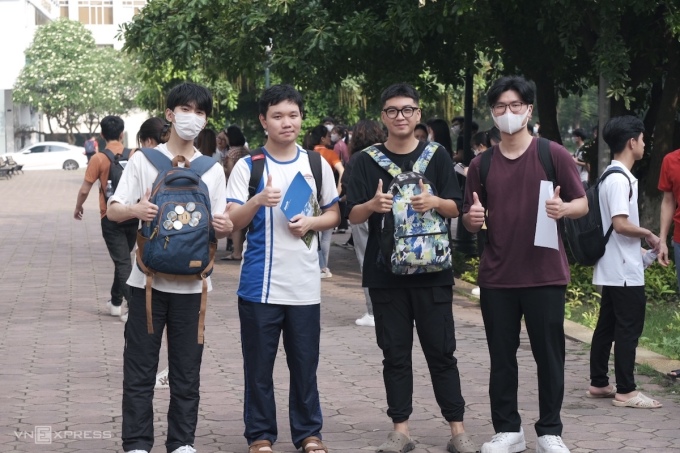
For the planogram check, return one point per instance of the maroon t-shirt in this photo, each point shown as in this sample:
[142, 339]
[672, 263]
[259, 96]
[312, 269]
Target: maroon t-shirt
[510, 259]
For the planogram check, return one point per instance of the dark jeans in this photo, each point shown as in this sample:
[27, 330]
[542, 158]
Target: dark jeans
[543, 311]
[120, 239]
[394, 311]
[621, 320]
[140, 364]
[261, 327]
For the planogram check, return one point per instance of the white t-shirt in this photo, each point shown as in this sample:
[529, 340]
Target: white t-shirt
[278, 268]
[139, 176]
[622, 260]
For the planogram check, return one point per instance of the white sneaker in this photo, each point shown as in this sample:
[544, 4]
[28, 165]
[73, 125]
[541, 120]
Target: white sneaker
[366, 320]
[551, 444]
[506, 443]
[114, 310]
[137, 451]
[124, 309]
[185, 449]
[326, 273]
[163, 381]
[475, 291]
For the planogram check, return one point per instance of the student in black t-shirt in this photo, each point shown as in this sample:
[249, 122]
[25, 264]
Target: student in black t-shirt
[399, 300]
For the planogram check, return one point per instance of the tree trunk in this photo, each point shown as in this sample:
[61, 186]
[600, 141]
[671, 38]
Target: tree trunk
[546, 99]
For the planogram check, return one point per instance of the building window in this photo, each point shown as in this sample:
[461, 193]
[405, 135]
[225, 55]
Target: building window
[63, 8]
[136, 5]
[95, 12]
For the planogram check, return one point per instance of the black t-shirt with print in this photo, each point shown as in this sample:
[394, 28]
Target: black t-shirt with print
[362, 186]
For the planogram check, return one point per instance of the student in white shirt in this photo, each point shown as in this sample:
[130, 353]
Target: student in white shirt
[279, 290]
[175, 303]
[620, 271]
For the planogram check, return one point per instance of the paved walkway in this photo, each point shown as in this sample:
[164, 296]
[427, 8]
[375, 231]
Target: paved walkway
[61, 369]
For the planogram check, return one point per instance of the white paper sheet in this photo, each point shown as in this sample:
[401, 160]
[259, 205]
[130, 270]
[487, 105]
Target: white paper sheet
[546, 228]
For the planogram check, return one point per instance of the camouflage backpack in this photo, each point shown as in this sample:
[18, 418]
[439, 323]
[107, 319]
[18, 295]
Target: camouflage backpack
[411, 242]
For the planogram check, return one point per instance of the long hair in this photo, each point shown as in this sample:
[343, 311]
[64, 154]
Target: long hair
[441, 133]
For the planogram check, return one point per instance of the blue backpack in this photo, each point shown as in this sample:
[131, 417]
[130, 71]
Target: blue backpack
[179, 243]
[411, 242]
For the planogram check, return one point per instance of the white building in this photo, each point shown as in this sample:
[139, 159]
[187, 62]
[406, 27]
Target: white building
[18, 22]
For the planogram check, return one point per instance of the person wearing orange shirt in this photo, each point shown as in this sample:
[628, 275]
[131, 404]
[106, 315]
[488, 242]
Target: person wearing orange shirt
[119, 237]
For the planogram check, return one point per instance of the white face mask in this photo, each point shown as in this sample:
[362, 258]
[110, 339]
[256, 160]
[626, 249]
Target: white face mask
[188, 125]
[335, 137]
[329, 127]
[455, 129]
[511, 123]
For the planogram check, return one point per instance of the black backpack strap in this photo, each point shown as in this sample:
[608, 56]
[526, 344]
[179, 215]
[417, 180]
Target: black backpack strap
[126, 154]
[484, 166]
[257, 160]
[546, 159]
[108, 153]
[317, 172]
[630, 194]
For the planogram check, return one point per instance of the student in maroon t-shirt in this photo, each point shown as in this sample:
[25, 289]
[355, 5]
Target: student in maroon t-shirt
[516, 277]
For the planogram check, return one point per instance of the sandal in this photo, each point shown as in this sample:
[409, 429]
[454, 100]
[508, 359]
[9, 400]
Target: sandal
[610, 394]
[313, 443]
[260, 446]
[461, 443]
[674, 374]
[639, 401]
[396, 443]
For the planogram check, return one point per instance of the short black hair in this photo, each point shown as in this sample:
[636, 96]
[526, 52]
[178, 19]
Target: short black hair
[399, 90]
[235, 136]
[458, 119]
[277, 94]
[422, 127]
[328, 119]
[188, 93]
[619, 130]
[519, 84]
[580, 133]
[112, 126]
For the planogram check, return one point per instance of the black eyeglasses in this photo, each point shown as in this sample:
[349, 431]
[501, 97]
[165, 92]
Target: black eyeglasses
[406, 112]
[515, 107]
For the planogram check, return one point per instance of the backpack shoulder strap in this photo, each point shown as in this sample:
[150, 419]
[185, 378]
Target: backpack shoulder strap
[126, 153]
[382, 160]
[425, 157]
[257, 159]
[617, 170]
[157, 159]
[317, 172]
[108, 153]
[484, 167]
[546, 159]
[202, 164]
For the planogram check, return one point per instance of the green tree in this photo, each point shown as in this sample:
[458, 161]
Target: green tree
[73, 82]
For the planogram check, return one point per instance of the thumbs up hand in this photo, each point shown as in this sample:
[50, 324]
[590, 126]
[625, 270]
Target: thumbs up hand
[424, 201]
[476, 212]
[270, 195]
[222, 223]
[381, 202]
[555, 207]
[144, 209]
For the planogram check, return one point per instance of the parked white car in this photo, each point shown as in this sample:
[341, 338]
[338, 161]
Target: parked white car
[50, 156]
